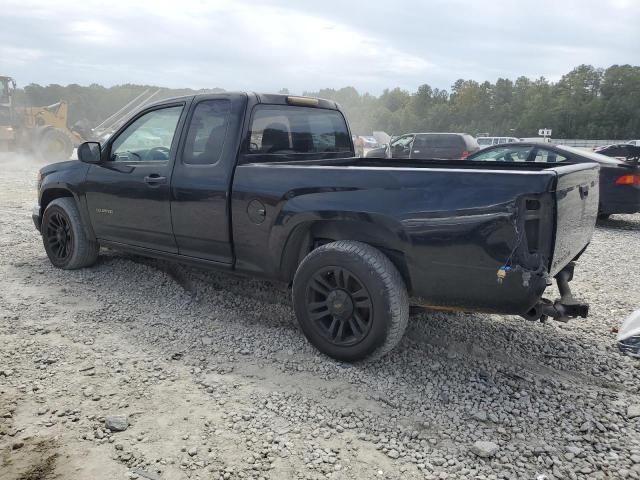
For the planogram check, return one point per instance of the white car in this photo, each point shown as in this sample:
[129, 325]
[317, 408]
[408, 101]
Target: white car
[629, 335]
[634, 142]
[485, 142]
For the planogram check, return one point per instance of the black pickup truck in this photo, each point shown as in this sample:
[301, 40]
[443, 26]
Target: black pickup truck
[268, 185]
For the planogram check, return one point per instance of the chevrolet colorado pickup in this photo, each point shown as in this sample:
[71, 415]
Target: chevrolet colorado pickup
[268, 185]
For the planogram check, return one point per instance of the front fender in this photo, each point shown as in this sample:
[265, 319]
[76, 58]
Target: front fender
[65, 180]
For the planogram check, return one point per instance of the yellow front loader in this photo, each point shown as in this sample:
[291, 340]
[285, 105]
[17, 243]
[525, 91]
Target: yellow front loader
[41, 130]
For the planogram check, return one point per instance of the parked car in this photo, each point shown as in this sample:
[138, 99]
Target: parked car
[623, 151]
[443, 146]
[369, 142]
[619, 180]
[629, 335]
[268, 185]
[485, 142]
[634, 142]
[364, 144]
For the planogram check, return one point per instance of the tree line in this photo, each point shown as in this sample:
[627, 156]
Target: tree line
[587, 102]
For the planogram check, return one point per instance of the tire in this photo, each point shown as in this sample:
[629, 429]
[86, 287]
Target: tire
[350, 301]
[64, 238]
[54, 145]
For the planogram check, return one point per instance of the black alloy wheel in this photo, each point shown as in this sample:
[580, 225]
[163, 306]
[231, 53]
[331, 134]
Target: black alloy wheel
[65, 239]
[339, 306]
[350, 301]
[59, 236]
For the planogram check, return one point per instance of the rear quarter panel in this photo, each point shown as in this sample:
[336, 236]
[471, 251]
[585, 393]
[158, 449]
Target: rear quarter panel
[452, 228]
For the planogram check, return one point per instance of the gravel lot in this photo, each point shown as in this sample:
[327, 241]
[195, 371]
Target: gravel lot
[142, 369]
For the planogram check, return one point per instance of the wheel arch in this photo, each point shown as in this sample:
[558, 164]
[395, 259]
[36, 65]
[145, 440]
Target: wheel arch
[307, 236]
[50, 194]
[54, 192]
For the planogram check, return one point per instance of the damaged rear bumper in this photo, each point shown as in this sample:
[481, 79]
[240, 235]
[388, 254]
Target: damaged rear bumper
[563, 308]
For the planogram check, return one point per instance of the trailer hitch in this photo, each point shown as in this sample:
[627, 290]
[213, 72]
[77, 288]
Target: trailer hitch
[563, 308]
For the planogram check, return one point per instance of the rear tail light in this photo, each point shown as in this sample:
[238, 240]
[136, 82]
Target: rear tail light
[465, 154]
[633, 179]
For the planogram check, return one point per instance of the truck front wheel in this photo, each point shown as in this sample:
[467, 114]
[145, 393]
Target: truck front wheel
[65, 240]
[350, 301]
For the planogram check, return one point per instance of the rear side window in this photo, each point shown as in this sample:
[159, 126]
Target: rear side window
[207, 131]
[304, 132]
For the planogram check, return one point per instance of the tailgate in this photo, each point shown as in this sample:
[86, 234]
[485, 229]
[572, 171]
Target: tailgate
[577, 193]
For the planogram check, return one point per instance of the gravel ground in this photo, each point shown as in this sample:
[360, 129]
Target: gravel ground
[142, 369]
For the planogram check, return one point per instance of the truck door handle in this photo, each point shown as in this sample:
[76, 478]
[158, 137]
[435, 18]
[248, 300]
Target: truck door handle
[155, 179]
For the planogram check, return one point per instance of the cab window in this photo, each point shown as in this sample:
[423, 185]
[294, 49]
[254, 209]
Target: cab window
[306, 133]
[148, 138]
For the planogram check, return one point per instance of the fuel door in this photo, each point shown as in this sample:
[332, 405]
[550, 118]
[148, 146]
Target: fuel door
[257, 211]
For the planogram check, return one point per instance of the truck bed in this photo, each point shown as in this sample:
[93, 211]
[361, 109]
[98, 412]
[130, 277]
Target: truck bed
[448, 225]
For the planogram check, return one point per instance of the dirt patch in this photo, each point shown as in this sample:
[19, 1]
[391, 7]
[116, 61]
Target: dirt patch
[30, 460]
[42, 470]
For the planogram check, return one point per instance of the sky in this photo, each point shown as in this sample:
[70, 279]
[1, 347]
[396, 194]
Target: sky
[266, 45]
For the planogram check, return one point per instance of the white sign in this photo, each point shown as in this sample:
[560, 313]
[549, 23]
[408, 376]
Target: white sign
[544, 132]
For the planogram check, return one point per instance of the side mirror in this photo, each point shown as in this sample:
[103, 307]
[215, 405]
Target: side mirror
[89, 152]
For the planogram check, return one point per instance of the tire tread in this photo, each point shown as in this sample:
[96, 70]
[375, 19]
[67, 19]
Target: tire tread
[86, 250]
[395, 289]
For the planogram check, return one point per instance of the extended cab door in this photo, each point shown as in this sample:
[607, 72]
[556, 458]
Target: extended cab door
[128, 193]
[201, 180]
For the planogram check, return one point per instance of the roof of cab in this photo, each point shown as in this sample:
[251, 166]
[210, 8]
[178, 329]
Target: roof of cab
[265, 98]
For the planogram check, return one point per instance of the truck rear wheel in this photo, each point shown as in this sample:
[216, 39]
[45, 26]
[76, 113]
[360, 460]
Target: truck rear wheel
[350, 301]
[64, 238]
